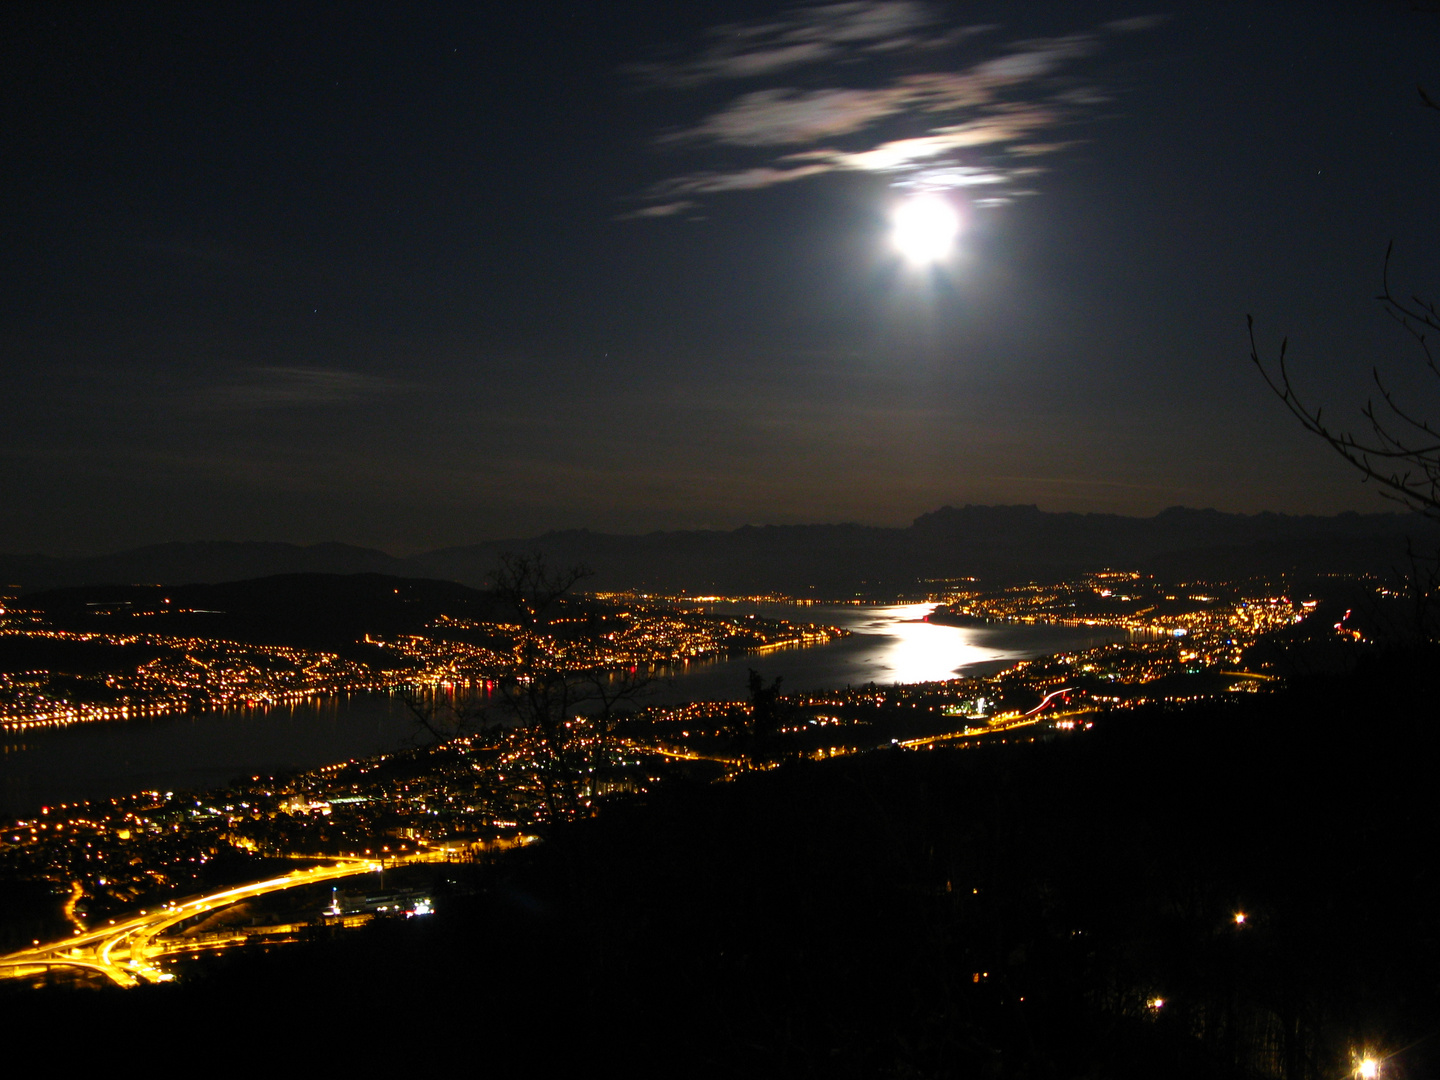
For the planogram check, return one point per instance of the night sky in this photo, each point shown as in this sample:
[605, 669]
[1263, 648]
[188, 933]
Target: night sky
[416, 275]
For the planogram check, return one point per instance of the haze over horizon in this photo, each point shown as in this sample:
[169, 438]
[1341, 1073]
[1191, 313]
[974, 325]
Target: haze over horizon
[415, 279]
[1394, 515]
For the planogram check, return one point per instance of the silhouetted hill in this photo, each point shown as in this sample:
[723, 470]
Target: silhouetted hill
[317, 611]
[790, 558]
[198, 561]
[995, 543]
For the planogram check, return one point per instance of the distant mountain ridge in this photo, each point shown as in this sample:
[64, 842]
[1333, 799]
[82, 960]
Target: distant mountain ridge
[994, 543]
[201, 561]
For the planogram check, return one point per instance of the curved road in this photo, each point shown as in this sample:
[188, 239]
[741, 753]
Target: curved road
[122, 951]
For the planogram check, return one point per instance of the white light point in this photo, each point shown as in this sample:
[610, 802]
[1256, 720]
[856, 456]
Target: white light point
[925, 229]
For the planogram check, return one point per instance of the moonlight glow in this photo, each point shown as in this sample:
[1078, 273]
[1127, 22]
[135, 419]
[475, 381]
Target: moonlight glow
[925, 229]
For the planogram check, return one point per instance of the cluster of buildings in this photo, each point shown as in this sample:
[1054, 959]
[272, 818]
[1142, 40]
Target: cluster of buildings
[485, 788]
[1216, 622]
[175, 673]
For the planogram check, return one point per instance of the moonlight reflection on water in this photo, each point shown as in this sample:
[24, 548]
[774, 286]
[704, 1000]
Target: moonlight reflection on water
[888, 644]
[918, 651]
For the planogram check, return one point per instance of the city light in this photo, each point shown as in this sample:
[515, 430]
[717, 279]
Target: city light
[115, 854]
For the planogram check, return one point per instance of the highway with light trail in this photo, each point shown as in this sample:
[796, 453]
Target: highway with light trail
[122, 951]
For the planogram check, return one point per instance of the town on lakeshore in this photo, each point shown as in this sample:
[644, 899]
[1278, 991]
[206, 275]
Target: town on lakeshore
[473, 786]
[784, 539]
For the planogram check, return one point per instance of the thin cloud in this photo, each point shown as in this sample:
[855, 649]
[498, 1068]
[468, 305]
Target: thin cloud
[799, 37]
[660, 210]
[710, 183]
[785, 116]
[288, 387]
[964, 122]
[1032, 59]
[1040, 149]
[910, 160]
[1136, 23]
[903, 154]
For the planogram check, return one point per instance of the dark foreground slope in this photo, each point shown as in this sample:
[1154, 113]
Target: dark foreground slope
[1011, 911]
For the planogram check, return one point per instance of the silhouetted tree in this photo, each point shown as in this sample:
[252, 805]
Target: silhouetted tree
[1399, 448]
[537, 687]
[753, 729]
[545, 686]
[603, 695]
[444, 715]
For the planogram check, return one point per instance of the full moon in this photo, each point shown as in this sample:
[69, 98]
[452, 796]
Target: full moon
[925, 228]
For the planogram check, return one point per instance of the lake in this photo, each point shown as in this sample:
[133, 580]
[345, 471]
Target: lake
[888, 644]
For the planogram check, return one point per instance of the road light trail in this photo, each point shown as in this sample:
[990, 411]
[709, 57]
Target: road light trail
[1049, 698]
[97, 949]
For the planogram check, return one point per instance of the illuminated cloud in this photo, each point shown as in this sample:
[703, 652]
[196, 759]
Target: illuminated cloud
[982, 103]
[904, 158]
[784, 117]
[904, 154]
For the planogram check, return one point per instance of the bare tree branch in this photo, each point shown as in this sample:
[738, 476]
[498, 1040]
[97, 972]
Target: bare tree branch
[1401, 453]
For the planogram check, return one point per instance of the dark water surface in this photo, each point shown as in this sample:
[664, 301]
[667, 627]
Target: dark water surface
[198, 750]
[890, 644]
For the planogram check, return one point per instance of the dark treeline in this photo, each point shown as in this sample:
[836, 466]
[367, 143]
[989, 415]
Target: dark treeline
[1008, 911]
